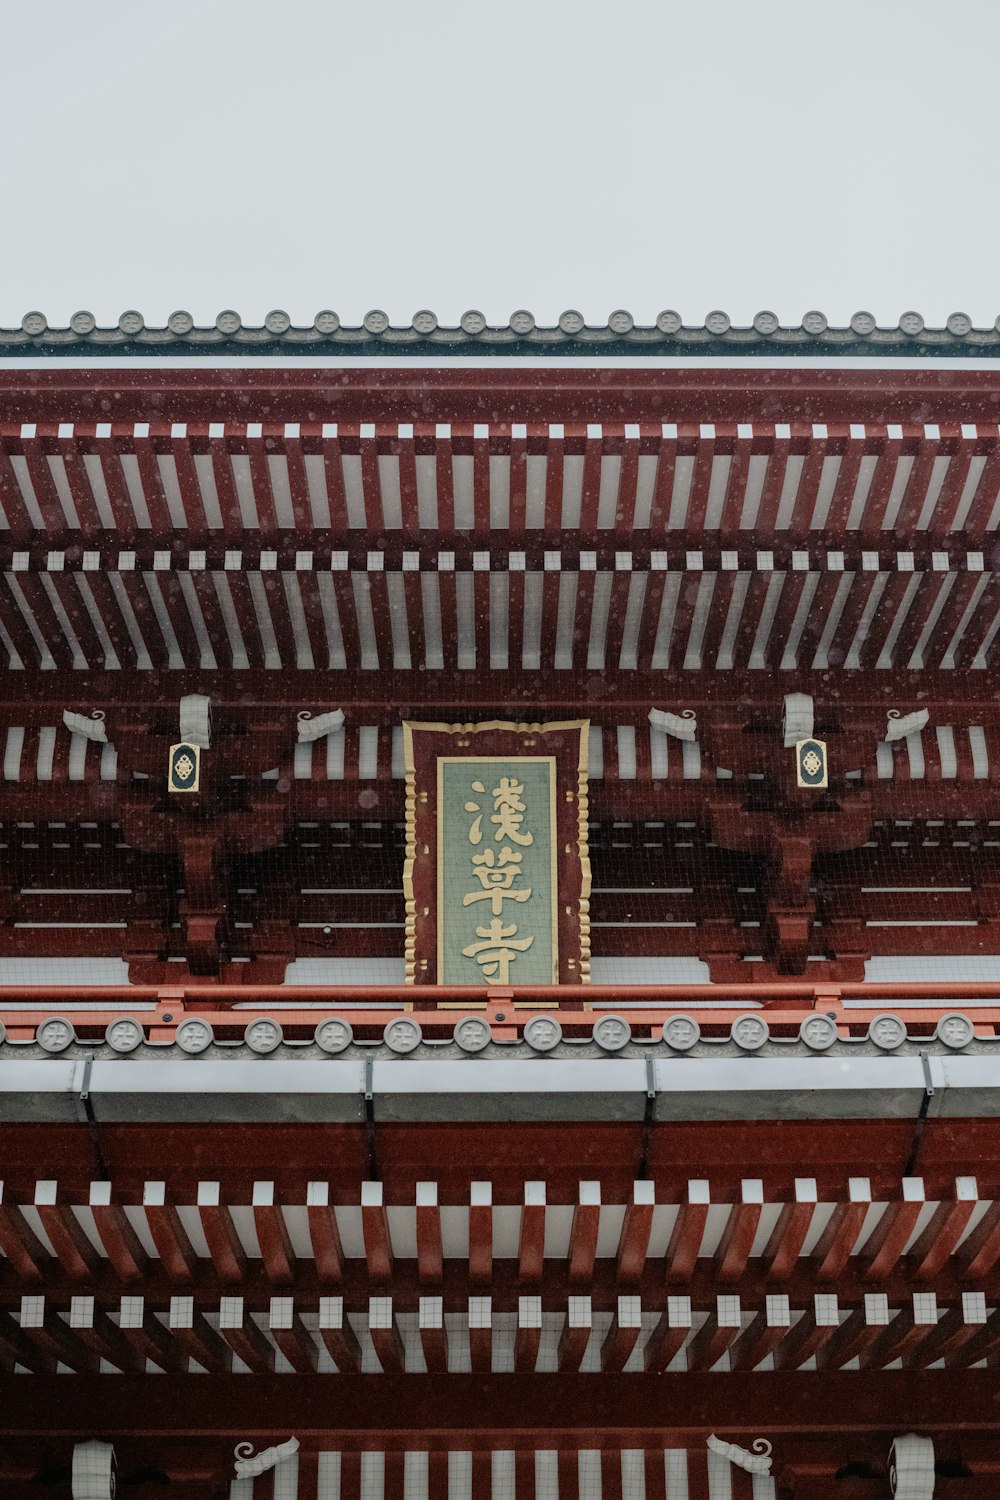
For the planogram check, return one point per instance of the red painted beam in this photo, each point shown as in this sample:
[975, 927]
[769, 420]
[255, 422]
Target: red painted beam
[176, 1253]
[480, 1232]
[583, 1233]
[637, 1226]
[430, 1261]
[338, 1335]
[688, 1232]
[117, 1235]
[244, 1337]
[383, 1330]
[224, 1244]
[375, 1228]
[272, 1236]
[73, 1249]
[193, 1332]
[324, 1236]
[468, 1411]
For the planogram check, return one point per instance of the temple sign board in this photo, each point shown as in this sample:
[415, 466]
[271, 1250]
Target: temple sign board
[497, 875]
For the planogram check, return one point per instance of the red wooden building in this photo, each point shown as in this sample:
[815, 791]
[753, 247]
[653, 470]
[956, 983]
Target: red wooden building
[737, 1175]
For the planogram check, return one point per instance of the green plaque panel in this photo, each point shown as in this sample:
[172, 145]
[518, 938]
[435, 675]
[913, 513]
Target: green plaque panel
[496, 864]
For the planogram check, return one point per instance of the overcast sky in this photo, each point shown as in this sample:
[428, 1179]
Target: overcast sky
[547, 154]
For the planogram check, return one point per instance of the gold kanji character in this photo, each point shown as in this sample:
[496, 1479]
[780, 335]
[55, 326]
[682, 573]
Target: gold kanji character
[498, 950]
[509, 811]
[497, 876]
[476, 831]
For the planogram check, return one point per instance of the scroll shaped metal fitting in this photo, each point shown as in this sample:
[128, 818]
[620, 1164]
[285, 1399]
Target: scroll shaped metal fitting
[91, 726]
[682, 726]
[899, 726]
[311, 727]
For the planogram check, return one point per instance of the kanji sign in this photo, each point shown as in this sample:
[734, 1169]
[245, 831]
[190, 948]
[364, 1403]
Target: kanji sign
[497, 872]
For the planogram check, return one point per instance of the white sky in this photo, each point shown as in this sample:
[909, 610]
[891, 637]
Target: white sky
[691, 154]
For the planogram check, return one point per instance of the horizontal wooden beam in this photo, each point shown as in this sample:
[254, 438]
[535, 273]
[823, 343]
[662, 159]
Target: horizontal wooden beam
[622, 696]
[502, 392]
[520, 1410]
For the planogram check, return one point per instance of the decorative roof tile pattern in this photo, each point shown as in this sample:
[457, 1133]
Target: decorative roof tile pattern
[377, 336]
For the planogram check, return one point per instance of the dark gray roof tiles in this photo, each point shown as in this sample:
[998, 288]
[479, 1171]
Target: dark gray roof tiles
[521, 336]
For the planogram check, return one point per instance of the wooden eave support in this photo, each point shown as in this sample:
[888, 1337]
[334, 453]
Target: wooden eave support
[885, 1244]
[763, 1335]
[16, 1346]
[272, 1236]
[531, 1243]
[576, 1333]
[66, 1235]
[116, 1234]
[959, 1325]
[243, 1336]
[689, 1231]
[623, 1335]
[94, 1327]
[529, 1334]
[637, 1226]
[383, 1330]
[740, 1231]
[430, 1256]
[583, 1233]
[720, 1329]
[789, 1234]
[291, 1335]
[338, 1335]
[669, 1335]
[855, 1337]
[324, 1235]
[375, 1228]
[53, 1337]
[433, 1335]
[147, 1334]
[224, 1244]
[813, 1331]
[981, 1251]
[195, 1334]
[481, 1333]
[983, 1345]
[947, 1224]
[173, 1246]
[481, 1233]
[838, 1239]
[20, 1244]
[531, 1411]
[611, 1474]
[910, 1327]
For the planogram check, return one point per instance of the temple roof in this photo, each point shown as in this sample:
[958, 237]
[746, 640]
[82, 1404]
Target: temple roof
[570, 336]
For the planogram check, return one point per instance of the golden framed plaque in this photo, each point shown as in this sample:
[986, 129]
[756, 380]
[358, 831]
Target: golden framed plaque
[496, 875]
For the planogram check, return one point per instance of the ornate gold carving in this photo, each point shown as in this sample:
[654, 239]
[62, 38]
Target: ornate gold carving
[583, 847]
[409, 859]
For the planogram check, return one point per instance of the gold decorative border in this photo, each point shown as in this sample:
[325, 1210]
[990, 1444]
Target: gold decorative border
[409, 859]
[412, 726]
[583, 847]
